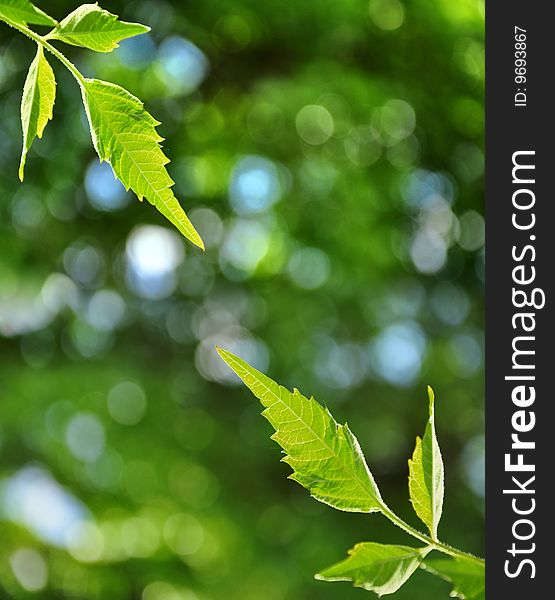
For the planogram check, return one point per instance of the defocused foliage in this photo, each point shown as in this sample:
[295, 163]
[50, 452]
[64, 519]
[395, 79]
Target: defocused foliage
[331, 156]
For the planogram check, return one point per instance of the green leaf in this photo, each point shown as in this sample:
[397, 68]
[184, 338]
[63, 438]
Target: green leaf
[37, 103]
[426, 476]
[124, 134]
[325, 457]
[376, 567]
[23, 12]
[466, 575]
[92, 27]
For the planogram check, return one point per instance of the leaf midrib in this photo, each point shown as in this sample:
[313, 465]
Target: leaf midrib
[34, 88]
[61, 32]
[116, 135]
[431, 477]
[384, 561]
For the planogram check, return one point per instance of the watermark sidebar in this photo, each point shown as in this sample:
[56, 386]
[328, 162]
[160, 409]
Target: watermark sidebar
[520, 269]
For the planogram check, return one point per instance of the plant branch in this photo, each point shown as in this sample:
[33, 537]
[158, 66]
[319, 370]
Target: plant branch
[42, 40]
[435, 544]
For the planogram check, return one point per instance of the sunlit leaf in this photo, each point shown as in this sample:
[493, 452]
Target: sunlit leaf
[23, 12]
[426, 476]
[325, 457]
[466, 575]
[376, 567]
[92, 27]
[37, 103]
[124, 134]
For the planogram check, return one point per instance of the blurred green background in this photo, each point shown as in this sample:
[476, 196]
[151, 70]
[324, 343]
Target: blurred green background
[331, 155]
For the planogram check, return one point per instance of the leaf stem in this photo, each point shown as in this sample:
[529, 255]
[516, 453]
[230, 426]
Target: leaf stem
[39, 39]
[435, 544]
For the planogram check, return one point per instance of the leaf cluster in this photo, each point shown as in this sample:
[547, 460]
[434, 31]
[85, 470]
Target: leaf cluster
[327, 460]
[122, 130]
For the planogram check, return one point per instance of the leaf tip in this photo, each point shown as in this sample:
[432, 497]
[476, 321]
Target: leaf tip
[222, 352]
[199, 243]
[227, 356]
[189, 231]
[232, 361]
[431, 399]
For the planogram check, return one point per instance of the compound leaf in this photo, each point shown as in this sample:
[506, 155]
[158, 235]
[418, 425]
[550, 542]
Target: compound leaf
[376, 567]
[426, 475]
[22, 12]
[325, 457]
[90, 26]
[467, 576]
[37, 103]
[124, 134]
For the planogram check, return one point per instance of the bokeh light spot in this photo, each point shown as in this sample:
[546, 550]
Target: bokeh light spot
[84, 263]
[314, 124]
[140, 537]
[127, 403]
[30, 569]
[394, 121]
[153, 253]
[450, 303]
[105, 310]
[52, 517]
[183, 64]
[254, 185]
[466, 354]
[428, 252]
[85, 542]
[387, 14]
[184, 534]
[473, 231]
[474, 465]
[104, 191]
[309, 268]
[85, 436]
[245, 245]
[398, 352]
[362, 146]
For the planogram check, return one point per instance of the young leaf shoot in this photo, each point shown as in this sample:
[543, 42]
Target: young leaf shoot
[426, 475]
